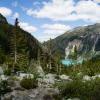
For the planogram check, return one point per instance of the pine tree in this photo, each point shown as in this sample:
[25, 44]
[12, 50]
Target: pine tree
[13, 45]
[38, 57]
[75, 52]
[2, 56]
[49, 50]
[58, 62]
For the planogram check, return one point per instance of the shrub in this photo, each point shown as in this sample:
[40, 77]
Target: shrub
[4, 87]
[84, 90]
[29, 83]
[7, 72]
[14, 78]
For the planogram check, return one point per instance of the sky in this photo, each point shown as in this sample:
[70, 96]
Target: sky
[46, 19]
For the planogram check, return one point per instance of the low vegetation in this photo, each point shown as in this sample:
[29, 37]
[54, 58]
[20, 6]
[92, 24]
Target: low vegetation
[89, 90]
[29, 83]
[91, 68]
[5, 87]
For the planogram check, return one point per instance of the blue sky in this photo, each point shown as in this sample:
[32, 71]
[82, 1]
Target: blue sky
[47, 19]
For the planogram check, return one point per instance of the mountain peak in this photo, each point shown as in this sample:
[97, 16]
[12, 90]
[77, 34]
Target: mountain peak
[2, 19]
[88, 38]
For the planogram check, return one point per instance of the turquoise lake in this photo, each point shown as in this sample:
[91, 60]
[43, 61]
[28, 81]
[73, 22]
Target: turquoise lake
[69, 62]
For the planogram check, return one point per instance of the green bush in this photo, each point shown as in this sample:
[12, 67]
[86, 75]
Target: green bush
[84, 90]
[14, 78]
[7, 72]
[29, 83]
[4, 87]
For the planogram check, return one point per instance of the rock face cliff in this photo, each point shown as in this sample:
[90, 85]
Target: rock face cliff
[87, 40]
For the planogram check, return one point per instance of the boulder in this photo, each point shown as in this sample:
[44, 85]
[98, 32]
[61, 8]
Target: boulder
[3, 77]
[96, 76]
[86, 78]
[47, 81]
[64, 77]
[23, 75]
[40, 71]
[73, 99]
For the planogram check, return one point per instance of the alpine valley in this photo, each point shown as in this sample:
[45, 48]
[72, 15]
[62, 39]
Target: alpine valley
[31, 70]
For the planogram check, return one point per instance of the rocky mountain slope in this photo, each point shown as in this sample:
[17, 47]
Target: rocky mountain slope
[86, 38]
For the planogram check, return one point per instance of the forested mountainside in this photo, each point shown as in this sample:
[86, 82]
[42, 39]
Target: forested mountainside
[25, 44]
[86, 38]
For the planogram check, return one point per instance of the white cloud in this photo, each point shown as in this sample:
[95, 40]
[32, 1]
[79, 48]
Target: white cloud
[56, 10]
[67, 10]
[5, 11]
[97, 1]
[30, 12]
[36, 3]
[23, 8]
[16, 15]
[60, 27]
[53, 30]
[27, 27]
[45, 38]
[15, 4]
[88, 10]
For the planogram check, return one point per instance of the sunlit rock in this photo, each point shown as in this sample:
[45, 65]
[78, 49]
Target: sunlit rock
[40, 71]
[47, 81]
[22, 75]
[96, 76]
[73, 99]
[86, 78]
[64, 77]
[3, 77]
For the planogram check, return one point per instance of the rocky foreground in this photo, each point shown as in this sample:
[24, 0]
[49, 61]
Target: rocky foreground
[39, 93]
[44, 91]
